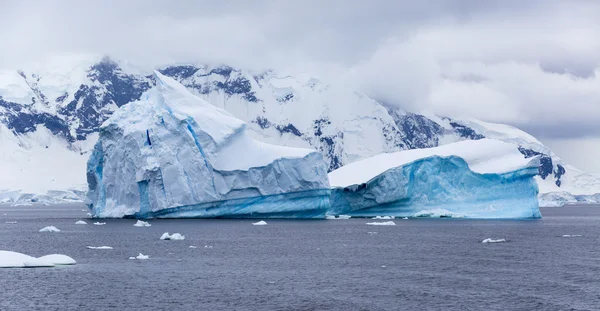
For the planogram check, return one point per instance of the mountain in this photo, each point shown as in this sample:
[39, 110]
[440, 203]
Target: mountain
[49, 119]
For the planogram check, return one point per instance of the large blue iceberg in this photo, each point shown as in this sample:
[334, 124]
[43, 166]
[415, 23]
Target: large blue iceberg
[471, 179]
[172, 155]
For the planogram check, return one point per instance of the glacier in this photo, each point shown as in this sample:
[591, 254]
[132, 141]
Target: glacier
[481, 179]
[173, 155]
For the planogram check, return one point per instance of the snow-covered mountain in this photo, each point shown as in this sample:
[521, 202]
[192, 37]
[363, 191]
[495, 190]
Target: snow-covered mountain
[49, 120]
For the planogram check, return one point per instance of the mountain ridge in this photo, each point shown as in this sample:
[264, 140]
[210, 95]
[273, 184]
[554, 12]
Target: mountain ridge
[345, 125]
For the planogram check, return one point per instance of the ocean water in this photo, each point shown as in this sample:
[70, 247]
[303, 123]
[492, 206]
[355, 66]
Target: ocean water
[421, 264]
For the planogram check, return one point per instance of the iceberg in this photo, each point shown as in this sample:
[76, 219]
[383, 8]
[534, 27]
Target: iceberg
[472, 179]
[173, 155]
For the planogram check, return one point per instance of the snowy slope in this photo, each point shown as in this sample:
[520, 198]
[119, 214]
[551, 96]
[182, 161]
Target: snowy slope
[72, 98]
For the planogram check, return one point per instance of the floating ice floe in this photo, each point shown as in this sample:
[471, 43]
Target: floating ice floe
[99, 223]
[571, 235]
[140, 223]
[405, 218]
[260, 223]
[50, 229]
[339, 217]
[99, 247]
[488, 240]
[142, 257]
[10, 259]
[384, 217]
[80, 222]
[174, 236]
[10, 222]
[192, 246]
[208, 246]
[384, 223]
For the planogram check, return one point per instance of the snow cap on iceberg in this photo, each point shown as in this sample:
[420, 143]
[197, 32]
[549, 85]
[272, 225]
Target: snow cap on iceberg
[484, 156]
[172, 154]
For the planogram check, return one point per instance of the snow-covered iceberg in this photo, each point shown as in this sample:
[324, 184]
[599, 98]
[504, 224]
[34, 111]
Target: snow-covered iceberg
[172, 154]
[474, 179]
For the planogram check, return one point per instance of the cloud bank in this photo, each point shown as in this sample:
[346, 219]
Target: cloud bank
[533, 64]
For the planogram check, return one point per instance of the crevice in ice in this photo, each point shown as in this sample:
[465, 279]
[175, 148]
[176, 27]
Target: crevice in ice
[204, 158]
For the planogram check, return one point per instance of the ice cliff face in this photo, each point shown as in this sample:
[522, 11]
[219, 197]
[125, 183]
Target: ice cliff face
[474, 179]
[172, 154]
[54, 114]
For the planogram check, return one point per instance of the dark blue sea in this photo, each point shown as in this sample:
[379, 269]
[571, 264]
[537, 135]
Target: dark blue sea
[419, 264]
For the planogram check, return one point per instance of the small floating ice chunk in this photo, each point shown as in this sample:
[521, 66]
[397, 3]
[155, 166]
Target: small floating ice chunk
[383, 217]
[89, 214]
[98, 247]
[571, 235]
[50, 229]
[80, 222]
[488, 240]
[330, 217]
[371, 232]
[140, 223]
[208, 246]
[384, 223]
[260, 223]
[174, 236]
[192, 246]
[131, 258]
[142, 257]
[405, 218]
[99, 223]
[10, 222]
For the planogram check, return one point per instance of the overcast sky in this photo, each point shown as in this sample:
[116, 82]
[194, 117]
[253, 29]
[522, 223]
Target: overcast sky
[532, 64]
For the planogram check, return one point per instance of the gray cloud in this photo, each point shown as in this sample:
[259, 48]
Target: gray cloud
[533, 64]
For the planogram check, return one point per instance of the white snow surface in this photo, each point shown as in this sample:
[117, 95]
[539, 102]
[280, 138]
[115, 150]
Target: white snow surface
[482, 156]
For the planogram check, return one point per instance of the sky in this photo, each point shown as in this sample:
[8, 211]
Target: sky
[532, 64]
